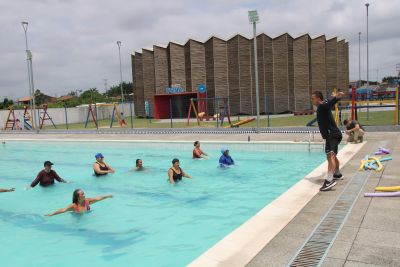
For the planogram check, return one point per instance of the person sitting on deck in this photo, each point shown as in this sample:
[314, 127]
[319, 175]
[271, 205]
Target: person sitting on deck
[225, 160]
[6, 190]
[354, 130]
[197, 152]
[100, 167]
[80, 203]
[47, 176]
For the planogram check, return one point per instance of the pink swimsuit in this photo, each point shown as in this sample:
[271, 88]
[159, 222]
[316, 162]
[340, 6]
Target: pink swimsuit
[86, 205]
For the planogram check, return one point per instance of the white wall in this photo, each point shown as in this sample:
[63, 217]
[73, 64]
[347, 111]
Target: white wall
[75, 115]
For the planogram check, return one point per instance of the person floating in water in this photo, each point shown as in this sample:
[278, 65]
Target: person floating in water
[197, 152]
[225, 160]
[80, 203]
[47, 176]
[175, 173]
[330, 133]
[139, 165]
[6, 190]
[100, 167]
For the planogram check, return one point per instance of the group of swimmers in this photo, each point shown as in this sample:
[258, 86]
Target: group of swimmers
[81, 204]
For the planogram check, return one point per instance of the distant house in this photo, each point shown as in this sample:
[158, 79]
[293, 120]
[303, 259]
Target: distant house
[65, 98]
[45, 99]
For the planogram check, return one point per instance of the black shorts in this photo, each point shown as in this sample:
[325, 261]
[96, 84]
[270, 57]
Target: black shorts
[332, 144]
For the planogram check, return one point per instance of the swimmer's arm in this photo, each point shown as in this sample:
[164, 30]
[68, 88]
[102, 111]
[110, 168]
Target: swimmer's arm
[184, 174]
[356, 128]
[68, 208]
[171, 176]
[97, 199]
[110, 169]
[6, 190]
[37, 180]
[58, 178]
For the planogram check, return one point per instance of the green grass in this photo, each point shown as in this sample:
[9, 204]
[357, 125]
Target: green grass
[375, 118]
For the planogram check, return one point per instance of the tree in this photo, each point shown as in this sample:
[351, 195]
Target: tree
[40, 98]
[92, 95]
[390, 79]
[115, 90]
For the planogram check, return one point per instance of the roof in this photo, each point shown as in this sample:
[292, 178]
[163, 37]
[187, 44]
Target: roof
[24, 99]
[65, 97]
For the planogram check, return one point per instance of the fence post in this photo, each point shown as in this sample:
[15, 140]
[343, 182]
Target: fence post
[66, 115]
[97, 118]
[170, 112]
[397, 106]
[130, 108]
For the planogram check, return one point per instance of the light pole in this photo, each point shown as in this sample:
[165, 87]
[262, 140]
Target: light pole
[30, 76]
[120, 74]
[253, 18]
[359, 59]
[367, 5]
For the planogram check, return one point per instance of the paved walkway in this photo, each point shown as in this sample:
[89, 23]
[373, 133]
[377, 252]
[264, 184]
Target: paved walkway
[371, 234]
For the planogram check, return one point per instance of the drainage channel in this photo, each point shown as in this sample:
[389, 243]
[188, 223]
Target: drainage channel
[316, 247]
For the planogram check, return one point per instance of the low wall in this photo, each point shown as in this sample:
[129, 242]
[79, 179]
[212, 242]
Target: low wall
[74, 115]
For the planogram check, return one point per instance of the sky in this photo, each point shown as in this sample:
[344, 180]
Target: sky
[74, 41]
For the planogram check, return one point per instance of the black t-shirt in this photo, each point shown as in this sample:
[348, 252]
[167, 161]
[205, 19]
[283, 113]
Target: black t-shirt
[326, 122]
[353, 124]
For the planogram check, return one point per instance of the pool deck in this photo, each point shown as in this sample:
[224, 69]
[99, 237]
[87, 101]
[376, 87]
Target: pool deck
[371, 233]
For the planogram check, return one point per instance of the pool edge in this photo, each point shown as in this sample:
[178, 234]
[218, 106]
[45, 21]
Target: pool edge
[240, 246]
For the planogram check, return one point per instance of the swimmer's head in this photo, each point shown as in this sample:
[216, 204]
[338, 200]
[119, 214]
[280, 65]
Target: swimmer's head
[139, 163]
[196, 144]
[99, 156]
[78, 195]
[175, 162]
[225, 150]
[47, 165]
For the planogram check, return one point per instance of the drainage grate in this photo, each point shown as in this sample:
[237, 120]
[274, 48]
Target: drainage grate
[316, 247]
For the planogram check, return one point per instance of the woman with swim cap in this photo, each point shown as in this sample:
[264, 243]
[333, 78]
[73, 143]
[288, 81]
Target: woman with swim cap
[197, 152]
[100, 167]
[80, 203]
[175, 173]
[225, 160]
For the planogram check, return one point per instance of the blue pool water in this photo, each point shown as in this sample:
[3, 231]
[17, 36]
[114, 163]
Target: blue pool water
[148, 222]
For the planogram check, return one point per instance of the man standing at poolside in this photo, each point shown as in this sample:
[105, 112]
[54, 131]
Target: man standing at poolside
[330, 133]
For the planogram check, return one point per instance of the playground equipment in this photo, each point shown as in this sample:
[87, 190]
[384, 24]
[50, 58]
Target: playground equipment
[45, 116]
[92, 111]
[241, 122]
[119, 115]
[11, 122]
[221, 108]
[27, 119]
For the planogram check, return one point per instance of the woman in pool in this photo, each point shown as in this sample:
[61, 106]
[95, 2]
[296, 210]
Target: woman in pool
[6, 190]
[139, 165]
[175, 173]
[225, 160]
[197, 152]
[80, 203]
[100, 167]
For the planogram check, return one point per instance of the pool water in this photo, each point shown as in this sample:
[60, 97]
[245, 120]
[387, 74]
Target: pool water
[148, 222]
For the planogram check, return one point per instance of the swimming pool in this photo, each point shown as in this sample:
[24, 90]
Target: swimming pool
[148, 222]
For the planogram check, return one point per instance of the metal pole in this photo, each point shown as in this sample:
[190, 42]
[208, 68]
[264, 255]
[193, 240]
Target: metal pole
[66, 116]
[367, 5]
[30, 76]
[359, 59]
[170, 112]
[130, 107]
[256, 76]
[120, 74]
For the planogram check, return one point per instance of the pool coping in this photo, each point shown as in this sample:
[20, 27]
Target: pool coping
[240, 246]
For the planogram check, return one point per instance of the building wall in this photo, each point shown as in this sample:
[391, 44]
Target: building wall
[138, 81]
[176, 60]
[148, 77]
[302, 78]
[331, 64]
[341, 66]
[160, 69]
[318, 65]
[281, 73]
[288, 71]
[195, 65]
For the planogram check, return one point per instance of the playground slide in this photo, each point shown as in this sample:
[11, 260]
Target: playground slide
[237, 124]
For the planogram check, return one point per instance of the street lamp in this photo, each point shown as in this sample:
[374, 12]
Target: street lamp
[359, 59]
[367, 5]
[253, 18]
[120, 73]
[30, 76]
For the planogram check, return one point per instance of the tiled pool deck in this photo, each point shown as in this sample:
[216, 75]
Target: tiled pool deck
[371, 234]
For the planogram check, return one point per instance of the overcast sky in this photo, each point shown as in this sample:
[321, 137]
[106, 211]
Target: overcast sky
[74, 42]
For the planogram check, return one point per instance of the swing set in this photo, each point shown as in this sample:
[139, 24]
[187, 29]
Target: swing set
[116, 114]
[221, 106]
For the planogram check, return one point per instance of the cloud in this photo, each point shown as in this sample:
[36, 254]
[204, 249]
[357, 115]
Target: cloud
[74, 42]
